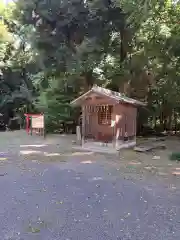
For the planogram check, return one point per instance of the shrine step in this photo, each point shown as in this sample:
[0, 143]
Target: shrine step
[97, 149]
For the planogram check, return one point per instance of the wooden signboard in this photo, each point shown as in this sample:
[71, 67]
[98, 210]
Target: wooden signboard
[37, 124]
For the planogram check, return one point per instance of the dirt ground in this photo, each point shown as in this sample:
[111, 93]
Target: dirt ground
[153, 164]
[51, 191]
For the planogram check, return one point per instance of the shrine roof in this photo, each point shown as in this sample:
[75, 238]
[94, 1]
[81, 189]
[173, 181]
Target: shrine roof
[119, 97]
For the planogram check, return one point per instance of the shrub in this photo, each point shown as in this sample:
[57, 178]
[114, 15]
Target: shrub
[175, 156]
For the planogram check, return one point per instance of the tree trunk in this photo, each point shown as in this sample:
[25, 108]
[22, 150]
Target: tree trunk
[88, 80]
[175, 122]
[161, 121]
[170, 121]
[165, 124]
[155, 122]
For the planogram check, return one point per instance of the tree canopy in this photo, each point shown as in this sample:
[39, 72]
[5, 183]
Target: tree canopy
[52, 51]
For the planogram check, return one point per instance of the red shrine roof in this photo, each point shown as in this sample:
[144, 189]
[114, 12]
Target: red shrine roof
[119, 97]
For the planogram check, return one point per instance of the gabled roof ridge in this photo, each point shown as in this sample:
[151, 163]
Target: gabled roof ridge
[115, 94]
[112, 94]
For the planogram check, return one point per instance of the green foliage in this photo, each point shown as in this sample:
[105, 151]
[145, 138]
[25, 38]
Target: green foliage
[54, 102]
[175, 156]
[15, 61]
[55, 50]
[72, 36]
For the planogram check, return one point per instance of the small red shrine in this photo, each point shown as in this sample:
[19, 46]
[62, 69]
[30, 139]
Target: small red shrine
[108, 118]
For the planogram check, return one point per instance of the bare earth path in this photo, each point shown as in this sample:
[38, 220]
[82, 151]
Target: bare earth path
[49, 192]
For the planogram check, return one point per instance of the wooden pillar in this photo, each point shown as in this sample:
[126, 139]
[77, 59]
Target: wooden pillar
[31, 129]
[44, 126]
[27, 124]
[117, 137]
[83, 124]
[114, 126]
[134, 129]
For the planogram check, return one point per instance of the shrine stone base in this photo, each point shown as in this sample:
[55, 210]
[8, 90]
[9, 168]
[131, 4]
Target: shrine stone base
[101, 147]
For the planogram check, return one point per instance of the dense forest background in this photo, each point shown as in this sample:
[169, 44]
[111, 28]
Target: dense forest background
[52, 51]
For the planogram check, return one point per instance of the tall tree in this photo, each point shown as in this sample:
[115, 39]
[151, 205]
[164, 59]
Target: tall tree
[15, 57]
[72, 35]
[125, 45]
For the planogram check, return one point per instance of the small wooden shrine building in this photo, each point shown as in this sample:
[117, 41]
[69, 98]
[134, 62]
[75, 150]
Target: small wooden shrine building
[108, 119]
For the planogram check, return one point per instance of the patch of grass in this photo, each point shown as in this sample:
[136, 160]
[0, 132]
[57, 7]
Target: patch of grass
[33, 230]
[3, 159]
[175, 156]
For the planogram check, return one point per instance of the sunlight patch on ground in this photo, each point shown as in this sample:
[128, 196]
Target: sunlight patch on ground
[86, 162]
[51, 154]
[75, 154]
[176, 173]
[38, 146]
[28, 152]
[135, 163]
[82, 153]
[3, 159]
[97, 178]
[150, 167]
